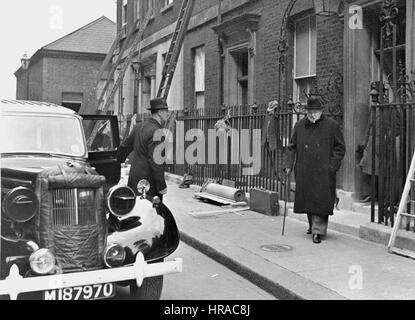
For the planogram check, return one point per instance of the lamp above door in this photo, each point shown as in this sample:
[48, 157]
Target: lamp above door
[327, 8]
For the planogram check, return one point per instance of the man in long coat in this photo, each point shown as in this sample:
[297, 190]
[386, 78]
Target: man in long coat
[316, 150]
[142, 144]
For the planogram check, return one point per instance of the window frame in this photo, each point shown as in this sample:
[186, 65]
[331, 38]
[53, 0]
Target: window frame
[233, 78]
[311, 77]
[197, 93]
[124, 13]
[150, 5]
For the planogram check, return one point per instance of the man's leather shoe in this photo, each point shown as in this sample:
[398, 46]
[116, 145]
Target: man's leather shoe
[309, 231]
[316, 238]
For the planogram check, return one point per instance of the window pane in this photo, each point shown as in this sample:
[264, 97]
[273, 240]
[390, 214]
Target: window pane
[199, 63]
[303, 87]
[313, 35]
[200, 99]
[244, 64]
[124, 11]
[150, 6]
[137, 4]
[302, 48]
[243, 87]
[100, 138]
[41, 134]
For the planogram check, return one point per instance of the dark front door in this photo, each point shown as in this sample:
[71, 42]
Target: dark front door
[103, 140]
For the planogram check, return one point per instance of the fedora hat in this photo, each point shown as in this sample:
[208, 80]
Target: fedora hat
[158, 104]
[314, 103]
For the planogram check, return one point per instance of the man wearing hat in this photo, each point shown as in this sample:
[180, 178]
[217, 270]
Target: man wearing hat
[315, 152]
[142, 144]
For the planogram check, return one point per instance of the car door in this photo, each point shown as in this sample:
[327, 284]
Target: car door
[103, 139]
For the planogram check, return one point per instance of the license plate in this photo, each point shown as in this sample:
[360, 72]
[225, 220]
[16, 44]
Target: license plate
[92, 292]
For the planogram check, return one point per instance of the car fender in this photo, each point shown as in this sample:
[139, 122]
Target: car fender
[151, 231]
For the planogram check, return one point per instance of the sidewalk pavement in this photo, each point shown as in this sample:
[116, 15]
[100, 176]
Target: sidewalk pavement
[292, 266]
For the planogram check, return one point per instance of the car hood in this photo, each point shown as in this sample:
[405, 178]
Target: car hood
[34, 164]
[28, 167]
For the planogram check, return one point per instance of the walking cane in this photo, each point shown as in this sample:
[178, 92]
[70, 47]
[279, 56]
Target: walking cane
[286, 198]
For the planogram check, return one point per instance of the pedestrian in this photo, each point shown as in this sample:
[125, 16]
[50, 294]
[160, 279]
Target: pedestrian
[315, 151]
[142, 144]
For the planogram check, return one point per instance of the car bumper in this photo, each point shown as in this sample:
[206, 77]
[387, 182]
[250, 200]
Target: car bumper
[15, 284]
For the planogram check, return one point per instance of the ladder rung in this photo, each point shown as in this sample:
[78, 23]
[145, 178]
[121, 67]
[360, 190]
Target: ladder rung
[407, 215]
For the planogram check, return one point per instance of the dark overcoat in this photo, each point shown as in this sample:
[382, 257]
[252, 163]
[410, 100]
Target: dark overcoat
[143, 166]
[316, 151]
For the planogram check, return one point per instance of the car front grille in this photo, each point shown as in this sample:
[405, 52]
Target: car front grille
[75, 229]
[72, 207]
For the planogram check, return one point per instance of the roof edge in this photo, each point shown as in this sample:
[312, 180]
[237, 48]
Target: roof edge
[79, 29]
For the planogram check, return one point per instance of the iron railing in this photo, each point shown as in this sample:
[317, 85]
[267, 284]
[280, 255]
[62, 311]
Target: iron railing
[246, 126]
[392, 117]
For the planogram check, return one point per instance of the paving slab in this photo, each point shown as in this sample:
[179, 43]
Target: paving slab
[341, 267]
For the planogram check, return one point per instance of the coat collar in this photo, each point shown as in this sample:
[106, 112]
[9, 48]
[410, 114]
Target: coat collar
[152, 120]
[308, 123]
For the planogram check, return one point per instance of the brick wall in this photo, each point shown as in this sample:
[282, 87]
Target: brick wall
[330, 35]
[35, 73]
[69, 74]
[329, 55]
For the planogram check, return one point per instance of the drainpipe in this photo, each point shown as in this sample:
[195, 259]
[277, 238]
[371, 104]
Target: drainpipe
[220, 57]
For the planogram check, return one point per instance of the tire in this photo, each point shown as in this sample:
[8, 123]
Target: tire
[150, 290]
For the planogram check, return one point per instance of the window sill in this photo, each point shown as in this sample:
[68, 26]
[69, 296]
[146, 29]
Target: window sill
[166, 8]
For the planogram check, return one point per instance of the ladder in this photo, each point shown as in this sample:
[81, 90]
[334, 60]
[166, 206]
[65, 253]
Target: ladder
[102, 105]
[133, 48]
[173, 54]
[104, 66]
[409, 188]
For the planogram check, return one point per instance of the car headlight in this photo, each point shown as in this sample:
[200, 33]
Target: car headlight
[114, 255]
[20, 204]
[121, 200]
[42, 261]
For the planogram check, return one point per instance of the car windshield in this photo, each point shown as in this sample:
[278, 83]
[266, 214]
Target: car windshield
[41, 134]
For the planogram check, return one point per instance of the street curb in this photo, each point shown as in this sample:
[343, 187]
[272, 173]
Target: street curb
[283, 290]
[257, 279]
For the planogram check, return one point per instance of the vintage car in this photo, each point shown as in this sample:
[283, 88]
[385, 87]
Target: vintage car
[70, 230]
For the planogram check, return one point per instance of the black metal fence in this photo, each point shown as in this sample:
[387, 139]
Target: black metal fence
[391, 144]
[230, 143]
[393, 136]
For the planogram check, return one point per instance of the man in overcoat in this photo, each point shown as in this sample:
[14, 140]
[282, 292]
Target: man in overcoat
[315, 151]
[142, 144]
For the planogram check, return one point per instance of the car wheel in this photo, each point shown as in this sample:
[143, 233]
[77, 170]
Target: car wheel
[150, 290]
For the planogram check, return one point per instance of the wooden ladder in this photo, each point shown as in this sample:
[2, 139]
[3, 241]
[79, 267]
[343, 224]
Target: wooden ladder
[408, 189]
[103, 106]
[173, 54]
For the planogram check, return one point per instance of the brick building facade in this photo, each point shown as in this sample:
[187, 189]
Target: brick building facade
[64, 72]
[319, 46]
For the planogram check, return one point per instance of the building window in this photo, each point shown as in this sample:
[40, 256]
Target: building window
[149, 7]
[198, 57]
[239, 77]
[167, 5]
[137, 10]
[72, 100]
[305, 57]
[124, 12]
